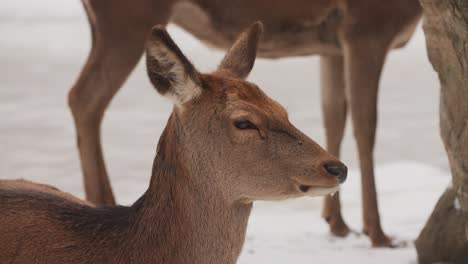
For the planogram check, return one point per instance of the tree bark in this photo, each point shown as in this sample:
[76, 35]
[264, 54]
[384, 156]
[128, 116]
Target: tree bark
[444, 239]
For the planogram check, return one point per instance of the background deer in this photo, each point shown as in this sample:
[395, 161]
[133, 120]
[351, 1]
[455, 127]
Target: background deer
[225, 145]
[352, 37]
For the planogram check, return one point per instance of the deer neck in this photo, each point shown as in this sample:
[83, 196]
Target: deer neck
[182, 222]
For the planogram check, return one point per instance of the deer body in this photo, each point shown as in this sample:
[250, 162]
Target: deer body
[297, 27]
[225, 145]
[172, 222]
[312, 25]
[352, 37]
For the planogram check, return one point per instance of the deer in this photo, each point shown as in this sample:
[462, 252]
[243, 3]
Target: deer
[352, 37]
[226, 144]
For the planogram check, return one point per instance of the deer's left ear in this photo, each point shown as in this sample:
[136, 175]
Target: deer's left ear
[169, 70]
[240, 59]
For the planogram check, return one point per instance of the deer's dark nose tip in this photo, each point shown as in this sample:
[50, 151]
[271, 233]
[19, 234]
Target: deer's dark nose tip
[337, 169]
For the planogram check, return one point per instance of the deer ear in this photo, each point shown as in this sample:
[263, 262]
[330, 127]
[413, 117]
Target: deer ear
[240, 59]
[169, 70]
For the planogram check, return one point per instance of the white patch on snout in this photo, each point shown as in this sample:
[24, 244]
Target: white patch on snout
[183, 88]
[321, 191]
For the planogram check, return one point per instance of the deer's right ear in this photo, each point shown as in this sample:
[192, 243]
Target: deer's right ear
[169, 70]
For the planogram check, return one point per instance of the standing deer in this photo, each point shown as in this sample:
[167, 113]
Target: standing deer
[225, 145]
[353, 38]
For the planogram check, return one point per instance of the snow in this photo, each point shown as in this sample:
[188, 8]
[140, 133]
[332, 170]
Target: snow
[44, 45]
[292, 231]
[33, 9]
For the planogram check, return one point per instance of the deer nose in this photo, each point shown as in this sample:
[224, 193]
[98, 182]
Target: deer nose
[337, 169]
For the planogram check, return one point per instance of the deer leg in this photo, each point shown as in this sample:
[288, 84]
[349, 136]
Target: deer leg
[364, 61]
[334, 115]
[117, 45]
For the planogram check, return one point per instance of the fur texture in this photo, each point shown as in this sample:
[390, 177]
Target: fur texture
[206, 174]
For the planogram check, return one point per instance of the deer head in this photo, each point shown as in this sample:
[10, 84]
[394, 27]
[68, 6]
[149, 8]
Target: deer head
[231, 137]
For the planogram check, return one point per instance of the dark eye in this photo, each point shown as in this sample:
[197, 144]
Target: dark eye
[244, 124]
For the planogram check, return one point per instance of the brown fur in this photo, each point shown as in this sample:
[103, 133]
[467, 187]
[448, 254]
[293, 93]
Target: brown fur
[37, 187]
[352, 36]
[206, 174]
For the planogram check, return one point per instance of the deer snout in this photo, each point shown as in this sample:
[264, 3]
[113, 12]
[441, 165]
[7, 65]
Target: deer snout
[336, 169]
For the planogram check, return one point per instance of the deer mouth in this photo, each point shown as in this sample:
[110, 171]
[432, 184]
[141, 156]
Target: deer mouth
[309, 190]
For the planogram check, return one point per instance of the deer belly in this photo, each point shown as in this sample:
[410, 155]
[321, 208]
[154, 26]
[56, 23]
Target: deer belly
[282, 37]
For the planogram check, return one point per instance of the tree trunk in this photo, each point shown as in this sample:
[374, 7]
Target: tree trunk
[444, 239]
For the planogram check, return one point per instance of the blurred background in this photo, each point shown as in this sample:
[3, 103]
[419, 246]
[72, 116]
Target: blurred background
[45, 43]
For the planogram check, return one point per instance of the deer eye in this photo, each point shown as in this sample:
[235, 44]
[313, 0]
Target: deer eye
[244, 124]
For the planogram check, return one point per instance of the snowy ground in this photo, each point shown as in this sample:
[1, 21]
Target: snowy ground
[42, 50]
